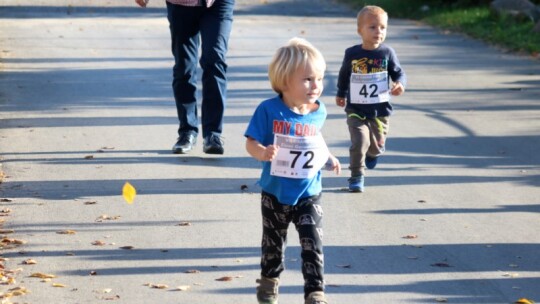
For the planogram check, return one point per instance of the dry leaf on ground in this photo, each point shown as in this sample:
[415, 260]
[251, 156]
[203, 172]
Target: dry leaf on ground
[42, 275]
[68, 231]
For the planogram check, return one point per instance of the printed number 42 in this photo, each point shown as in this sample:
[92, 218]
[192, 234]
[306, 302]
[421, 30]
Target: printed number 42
[364, 91]
[297, 154]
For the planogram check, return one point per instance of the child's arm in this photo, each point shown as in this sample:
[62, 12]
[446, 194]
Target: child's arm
[333, 164]
[397, 89]
[260, 152]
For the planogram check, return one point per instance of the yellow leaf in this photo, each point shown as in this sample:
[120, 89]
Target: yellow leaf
[58, 285]
[129, 192]
[524, 301]
[42, 275]
[66, 232]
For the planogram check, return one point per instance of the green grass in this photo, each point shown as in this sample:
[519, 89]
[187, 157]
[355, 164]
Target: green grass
[476, 21]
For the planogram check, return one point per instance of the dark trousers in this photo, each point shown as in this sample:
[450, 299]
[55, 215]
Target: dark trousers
[210, 29]
[307, 217]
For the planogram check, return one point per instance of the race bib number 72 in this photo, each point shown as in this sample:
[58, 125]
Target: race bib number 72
[299, 157]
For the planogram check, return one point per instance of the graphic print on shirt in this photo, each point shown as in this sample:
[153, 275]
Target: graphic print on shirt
[369, 81]
[368, 66]
[284, 127]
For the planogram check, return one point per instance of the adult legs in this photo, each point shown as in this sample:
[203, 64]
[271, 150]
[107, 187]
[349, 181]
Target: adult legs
[184, 28]
[215, 29]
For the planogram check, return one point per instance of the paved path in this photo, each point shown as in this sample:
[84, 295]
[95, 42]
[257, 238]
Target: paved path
[86, 105]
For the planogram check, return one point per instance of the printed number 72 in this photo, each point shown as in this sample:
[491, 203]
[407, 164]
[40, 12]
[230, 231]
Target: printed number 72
[308, 154]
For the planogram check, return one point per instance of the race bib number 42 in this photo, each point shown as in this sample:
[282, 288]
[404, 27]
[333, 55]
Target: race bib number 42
[369, 88]
[299, 157]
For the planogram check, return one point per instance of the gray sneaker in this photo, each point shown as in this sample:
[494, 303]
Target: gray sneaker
[267, 291]
[316, 297]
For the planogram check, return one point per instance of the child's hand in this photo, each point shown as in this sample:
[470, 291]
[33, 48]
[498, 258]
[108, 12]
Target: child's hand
[269, 153]
[333, 164]
[340, 101]
[141, 3]
[397, 89]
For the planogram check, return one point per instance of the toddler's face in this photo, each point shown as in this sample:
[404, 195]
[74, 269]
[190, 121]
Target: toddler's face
[305, 86]
[372, 29]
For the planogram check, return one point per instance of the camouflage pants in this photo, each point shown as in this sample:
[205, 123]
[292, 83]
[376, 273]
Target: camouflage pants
[307, 218]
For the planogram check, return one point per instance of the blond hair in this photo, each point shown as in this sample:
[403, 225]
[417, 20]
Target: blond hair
[298, 53]
[369, 10]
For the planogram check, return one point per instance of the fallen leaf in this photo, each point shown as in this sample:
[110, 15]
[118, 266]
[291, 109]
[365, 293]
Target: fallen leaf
[129, 192]
[66, 232]
[58, 285]
[29, 262]
[184, 224]
[6, 231]
[159, 286]
[6, 200]
[105, 217]
[183, 288]
[17, 291]
[127, 247]
[98, 243]
[193, 271]
[344, 265]
[8, 241]
[524, 301]
[225, 279]
[441, 300]
[93, 273]
[89, 157]
[42, 275]
[90, 202]
[410, 236]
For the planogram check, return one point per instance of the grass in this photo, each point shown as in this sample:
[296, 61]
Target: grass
[475, 21]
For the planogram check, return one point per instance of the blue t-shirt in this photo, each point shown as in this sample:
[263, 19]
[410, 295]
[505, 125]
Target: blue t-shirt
[273, 116]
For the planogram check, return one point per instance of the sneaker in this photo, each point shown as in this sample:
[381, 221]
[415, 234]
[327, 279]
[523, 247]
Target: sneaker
[267, 291]
[316, 297]
[213, 144]
[371, 162]
[185, 142]
[356, 184]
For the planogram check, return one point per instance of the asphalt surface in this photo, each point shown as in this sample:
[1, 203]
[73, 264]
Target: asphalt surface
[451, 213]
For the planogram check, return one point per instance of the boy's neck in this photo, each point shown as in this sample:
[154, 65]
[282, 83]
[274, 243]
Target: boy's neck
[301, 108]
[370, 47]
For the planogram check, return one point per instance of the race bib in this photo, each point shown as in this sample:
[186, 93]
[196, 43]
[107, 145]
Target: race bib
[299, 157]
[369, 88]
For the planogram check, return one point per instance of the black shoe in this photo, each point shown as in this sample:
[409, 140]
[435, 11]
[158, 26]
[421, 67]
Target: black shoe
[213, 144]
[185, 142]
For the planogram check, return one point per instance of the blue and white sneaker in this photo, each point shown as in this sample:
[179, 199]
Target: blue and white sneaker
[356, 184]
